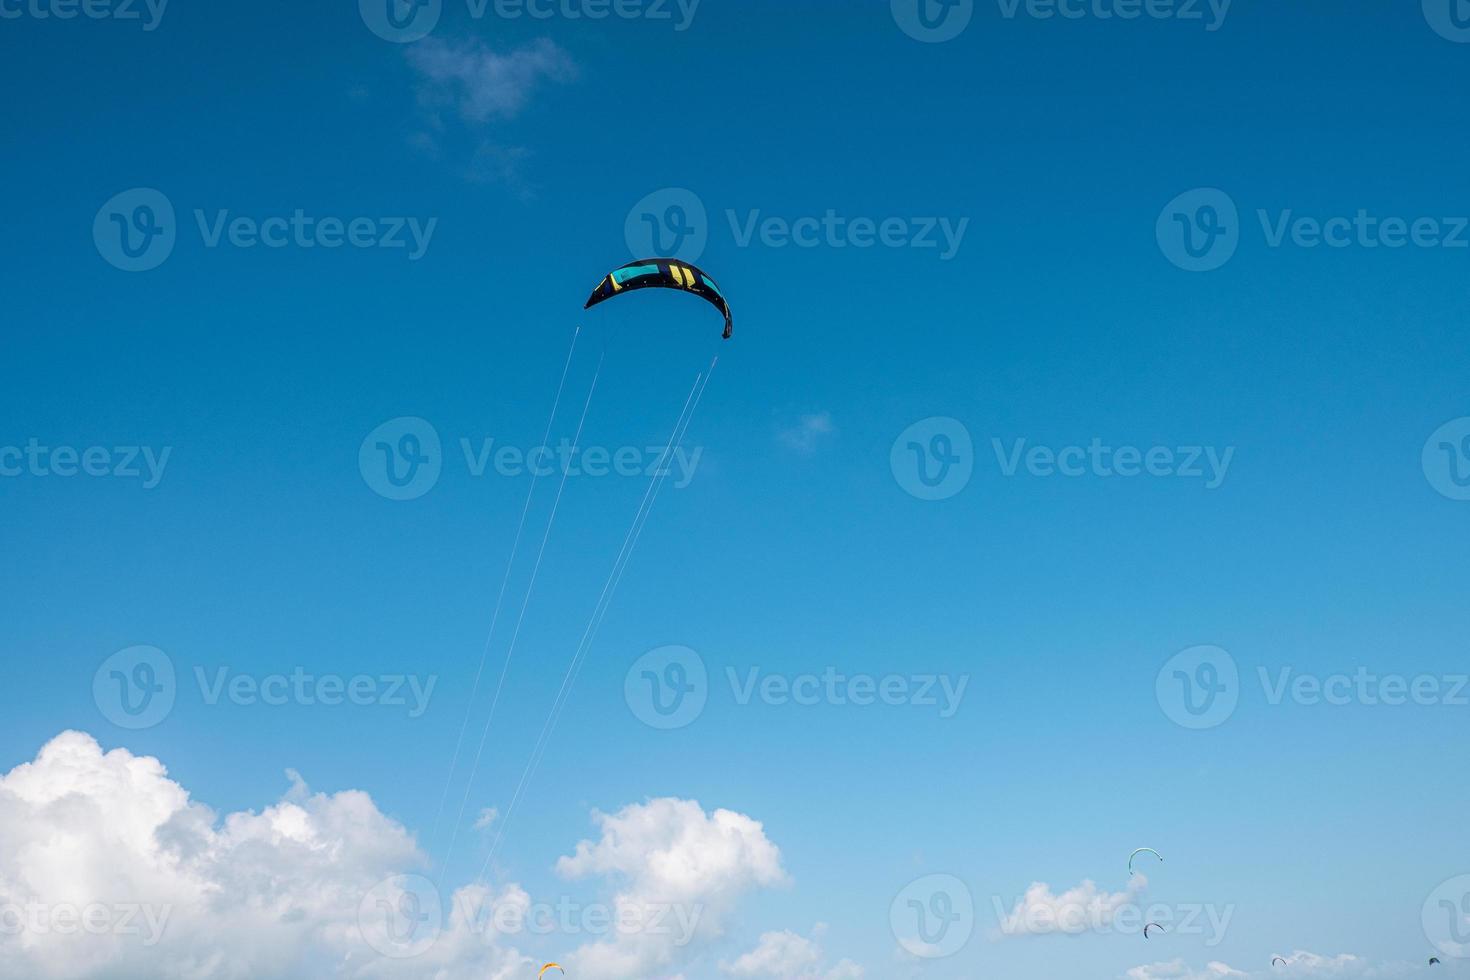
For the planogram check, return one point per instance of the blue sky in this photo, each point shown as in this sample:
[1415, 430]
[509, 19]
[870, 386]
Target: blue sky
[1307, 403]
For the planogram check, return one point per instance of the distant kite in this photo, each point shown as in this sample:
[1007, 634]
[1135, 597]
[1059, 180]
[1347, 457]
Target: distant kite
[1151, 925]
[1143, 850]
[1277, 959]
[550, 966]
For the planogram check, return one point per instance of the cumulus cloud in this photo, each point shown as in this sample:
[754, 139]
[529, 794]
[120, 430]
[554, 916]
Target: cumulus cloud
[681, 871]
[1083, 908]
[110, 871]
[808, 432]
[481, 84]
[789, 956]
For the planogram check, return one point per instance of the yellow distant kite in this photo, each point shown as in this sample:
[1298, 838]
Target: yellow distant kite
[549, 966]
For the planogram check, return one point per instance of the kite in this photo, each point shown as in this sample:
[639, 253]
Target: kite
[1142, 850]
[550, 966]
[1277, 959]
[1151, 925]
[661, 274]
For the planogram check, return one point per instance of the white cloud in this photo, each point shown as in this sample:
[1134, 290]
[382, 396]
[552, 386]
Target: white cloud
[1083, 908]
[481, 84]
[789, 956]
[681, 871]
[1299, 964]
[1177, 970]
[487, 817]
[808, 432]
[779, 954]
[108, 869]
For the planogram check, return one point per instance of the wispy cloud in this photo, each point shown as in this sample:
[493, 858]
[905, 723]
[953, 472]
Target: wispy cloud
[808, 432]
[465, 88]
[481, 84]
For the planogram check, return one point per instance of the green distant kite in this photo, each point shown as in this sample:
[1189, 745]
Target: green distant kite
[1143, 850]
